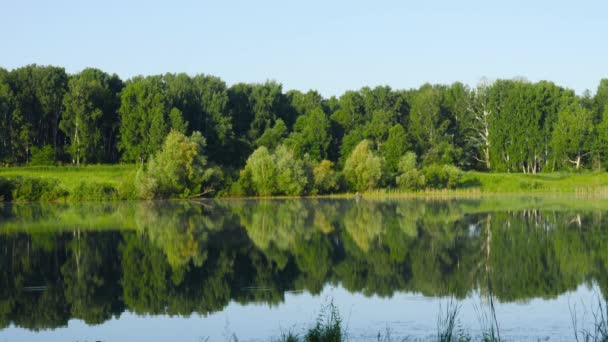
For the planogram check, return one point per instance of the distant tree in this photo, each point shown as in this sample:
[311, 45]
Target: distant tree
[573, 135]
[311, 135]
[409, 178]
[427, 123]
[177, 122]
[143, 112]
[273, 136]
[90, 101]
[601, 98]
[395, 147]
[6, 118]
[303, 103]
[362, 169]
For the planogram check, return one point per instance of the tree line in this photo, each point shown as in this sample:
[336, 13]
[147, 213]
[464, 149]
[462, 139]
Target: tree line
[257, 134]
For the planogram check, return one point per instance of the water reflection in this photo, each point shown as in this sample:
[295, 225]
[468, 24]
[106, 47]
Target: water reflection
[93, 262]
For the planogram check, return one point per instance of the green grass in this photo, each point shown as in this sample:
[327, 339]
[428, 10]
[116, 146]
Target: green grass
[475, 184]
[102, 180]
[556, 182]
[68, 183]
[71, 176]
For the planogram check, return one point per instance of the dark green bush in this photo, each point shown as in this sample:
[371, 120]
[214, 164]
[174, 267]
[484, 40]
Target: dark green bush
[42, 156]
[442, 176]
[6, 189]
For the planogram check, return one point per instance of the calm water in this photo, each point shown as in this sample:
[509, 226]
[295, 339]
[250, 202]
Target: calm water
[253, 269]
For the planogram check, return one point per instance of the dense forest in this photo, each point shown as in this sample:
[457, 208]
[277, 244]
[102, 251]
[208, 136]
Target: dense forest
[94, 262]
[258, 139]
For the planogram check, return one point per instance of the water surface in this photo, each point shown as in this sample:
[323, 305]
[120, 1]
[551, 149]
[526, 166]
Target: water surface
[252, 269]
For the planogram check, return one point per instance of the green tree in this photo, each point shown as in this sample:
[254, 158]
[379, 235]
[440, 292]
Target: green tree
[261, 169]
[324, 177]
[362, 169]
[277, 173]
[395, 147]
[273, 136]
[143, 113]
[573, 135]
[177, 121]
[292, 174]
[178, 169]
[311, 135]
[409, 178]
[89, 95]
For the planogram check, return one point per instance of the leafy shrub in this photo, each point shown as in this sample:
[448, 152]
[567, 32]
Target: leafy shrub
[29, 189]
[42, 156]
[87, 191]
[278, 173]
[326, 180]
[292, 174]
[410, 178]
[442, 176]
[178, 170]
[363, 170]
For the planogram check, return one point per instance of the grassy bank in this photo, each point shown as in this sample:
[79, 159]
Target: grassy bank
[67, 183]
[478, 183]
[114, 182]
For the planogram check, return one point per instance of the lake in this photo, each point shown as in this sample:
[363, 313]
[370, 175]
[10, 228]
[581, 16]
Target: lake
[249, 270]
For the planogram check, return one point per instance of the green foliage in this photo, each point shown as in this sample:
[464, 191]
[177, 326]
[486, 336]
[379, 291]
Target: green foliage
[511, 126]
[178, 169]
[91, 191]
[573, 135]
[442, 153]
[272, 136]
[328, 327]
[42, 156]
[442, 176]
[29, 189]
[259, 174]
[395, 147]
[277, 173]
[90, 104]
[177, 121]
[363, 170]
[326, 180]
[143, 117]
[410, 178]
[292, 174]
[311, 135]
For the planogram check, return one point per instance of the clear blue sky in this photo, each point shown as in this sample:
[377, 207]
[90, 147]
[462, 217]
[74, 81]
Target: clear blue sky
[327, 45]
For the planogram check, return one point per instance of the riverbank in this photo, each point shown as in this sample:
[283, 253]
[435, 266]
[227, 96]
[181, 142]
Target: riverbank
[117, 182]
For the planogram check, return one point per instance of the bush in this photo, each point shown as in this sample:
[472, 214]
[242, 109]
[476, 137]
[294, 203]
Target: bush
[325, 178]
[86, 191]
[178, 170]
[278, 173]
[410, 177]
[28, 189]
[42, 156]
[362, 169]
[442, 176]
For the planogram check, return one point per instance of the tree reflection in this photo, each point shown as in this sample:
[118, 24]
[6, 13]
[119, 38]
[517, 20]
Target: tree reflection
[93, 262]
